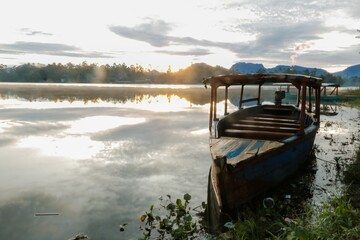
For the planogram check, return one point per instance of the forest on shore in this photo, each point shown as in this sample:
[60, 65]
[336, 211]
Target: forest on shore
[119, 73]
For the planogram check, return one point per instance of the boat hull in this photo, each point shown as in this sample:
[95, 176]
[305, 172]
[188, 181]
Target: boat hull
[230, 186]
[256, 147]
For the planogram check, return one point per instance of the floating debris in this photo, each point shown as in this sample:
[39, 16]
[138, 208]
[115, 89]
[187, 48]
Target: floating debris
[46, 214]
[80, 236]
[268, 202]
[122, 227]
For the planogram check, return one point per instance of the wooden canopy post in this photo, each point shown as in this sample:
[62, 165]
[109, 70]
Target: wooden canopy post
[310, 103]
[226, 99]
[303, 107]
[298, 97]
[259, 94]
[317, 104]
[211, 107]
[215, 102]
[241, 96]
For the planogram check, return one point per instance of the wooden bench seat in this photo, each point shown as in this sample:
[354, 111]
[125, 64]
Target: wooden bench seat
[272, 128]
[276, 116]
[272, 119]
[255, 134]
[272, 124]
[267, 123]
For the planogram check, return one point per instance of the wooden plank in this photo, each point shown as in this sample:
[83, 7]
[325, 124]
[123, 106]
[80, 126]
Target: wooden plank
[226, 144]
[239, 149]
[266, 123]
[253, 134]
[265, 128]
[264, 115]
[273, 119]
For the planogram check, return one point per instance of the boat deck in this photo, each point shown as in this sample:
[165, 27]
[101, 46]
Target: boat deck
[255, 134]
[239, 149]
[265, 125]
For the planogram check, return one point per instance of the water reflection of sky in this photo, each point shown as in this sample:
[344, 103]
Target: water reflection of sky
[159, 103]
[127, 155]
[102, 163]
[337, 140]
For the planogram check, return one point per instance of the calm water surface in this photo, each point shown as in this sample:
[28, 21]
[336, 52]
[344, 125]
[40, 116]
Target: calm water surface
[101, 155]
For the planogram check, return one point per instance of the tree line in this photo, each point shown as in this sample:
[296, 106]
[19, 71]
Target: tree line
[115, 73]
[118, 73]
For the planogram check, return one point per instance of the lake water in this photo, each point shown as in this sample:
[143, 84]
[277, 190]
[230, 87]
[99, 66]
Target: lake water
[100, 155]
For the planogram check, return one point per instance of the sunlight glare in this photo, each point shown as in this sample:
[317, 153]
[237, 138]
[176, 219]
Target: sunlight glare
[200, 131]
[160, 103]
[101, 123]
[72, 147]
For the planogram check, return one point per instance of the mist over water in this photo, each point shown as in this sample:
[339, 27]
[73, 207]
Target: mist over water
[99, 156]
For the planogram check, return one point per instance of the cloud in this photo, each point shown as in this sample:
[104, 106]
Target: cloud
[54, 49]
[272, 39]
[156, 33]
[190, 52]
[153, 32]
[323, 59]
[29, 32]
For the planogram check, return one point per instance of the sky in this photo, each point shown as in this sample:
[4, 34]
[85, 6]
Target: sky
[157, 34]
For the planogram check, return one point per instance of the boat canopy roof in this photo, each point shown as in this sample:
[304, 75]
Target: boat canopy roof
[259, 79]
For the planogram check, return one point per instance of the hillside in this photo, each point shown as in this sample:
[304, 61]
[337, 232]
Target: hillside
[351, 75]
[352, 71]
[348, 77]
[243, 67]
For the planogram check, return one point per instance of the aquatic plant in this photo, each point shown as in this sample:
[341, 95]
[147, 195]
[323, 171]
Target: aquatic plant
[172, 220]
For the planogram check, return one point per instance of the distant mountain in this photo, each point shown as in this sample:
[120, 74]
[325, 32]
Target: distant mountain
[243, 67]
[353, 71]
[351, 75]
[298, 69]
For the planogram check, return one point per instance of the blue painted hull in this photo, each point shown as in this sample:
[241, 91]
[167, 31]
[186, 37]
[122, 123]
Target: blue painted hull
[257, 175]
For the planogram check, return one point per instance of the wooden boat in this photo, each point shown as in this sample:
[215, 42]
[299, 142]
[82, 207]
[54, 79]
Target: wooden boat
[329, 92]
[255, 148]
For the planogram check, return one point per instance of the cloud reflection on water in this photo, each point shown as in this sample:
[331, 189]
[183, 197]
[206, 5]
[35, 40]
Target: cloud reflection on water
[100, 123]
[131, 153]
